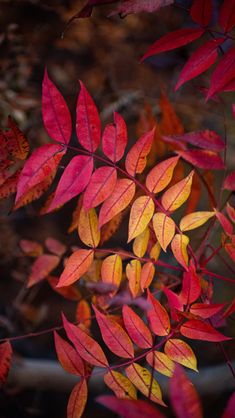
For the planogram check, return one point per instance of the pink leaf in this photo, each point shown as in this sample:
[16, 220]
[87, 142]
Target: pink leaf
[68, 356]
[224, 222]
[88, 125]
[137, 6]
[183, 395]
[54, 246]
[173, 40]
[227, 15]
[206, 159]
[201, 59]
[206, 310]
[223, 75]
[42, 266]
[201, 11]
[5, 361]
[55, 113]
[114, 138]
[73, 181]
[128, 408]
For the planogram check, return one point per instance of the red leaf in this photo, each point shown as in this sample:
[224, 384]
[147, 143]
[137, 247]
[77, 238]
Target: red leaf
[136, 328]
[68, 292]
[10, 185]
[5, 360]
[191, 288]
[114, 138]
[114, 336]
[55, 113]
[42, 266]
[68, 356]
[158, 317]
[223, 75]
[101, 185]
[128, 408]
[206, 159]
[230, 407]
[199, 330]
[73, 181]
[229, 182]
[206, 310]
[224, 222]
[174, 302]
[16, 144]
[137, 6]
[31, 248]
[88, 125]
[227, 15]
[77, 400]
[40, 166]
[201, 59]
[136, 158]
[173, 40]
[183, 395]
[201, 11]
[86, 346]
[203, 139]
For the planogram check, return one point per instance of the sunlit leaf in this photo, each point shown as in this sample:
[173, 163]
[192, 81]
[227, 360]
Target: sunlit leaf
[88, 229]
[141, 213]
[179, 248]
[114, 139]
[133, 273]
[121, 385]
[160, 176]
[160, 362]
[176, 195]
[194, 220]
[180, 352]
[136, 158]
[140, 243]
[164, 228]
[100, 187]
[77, 264]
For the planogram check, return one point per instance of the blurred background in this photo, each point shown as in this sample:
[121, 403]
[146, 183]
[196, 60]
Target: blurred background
[105, 54]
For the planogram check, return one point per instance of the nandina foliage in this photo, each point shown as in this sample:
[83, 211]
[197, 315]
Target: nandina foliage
[156, 196]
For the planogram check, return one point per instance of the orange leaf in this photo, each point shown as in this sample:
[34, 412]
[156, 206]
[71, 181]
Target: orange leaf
[170, 123]
[111, 270]
[16, 143]
[118, 200]
[142, 379]
[83, 314]
[31, 248]
[147, 275]
[86, 346]
[100, 187]
[176, 195]
[114, 336]
[136, 328]
[180, 352]
[194, 220]
[160, 176]
[136, 157]
[179, 248]
[77, 400]
[68, 292]
[121, 385]
[158, 317]
[155, 251]
[133, 272]
[160, 362]
[42, 266]
[77, 264]
[141, 214]
[164, 228]
[88, 229]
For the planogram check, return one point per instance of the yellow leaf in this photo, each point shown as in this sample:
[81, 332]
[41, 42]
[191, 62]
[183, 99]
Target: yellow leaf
[141, 214]
[160, 362]
[179, 248]
[140, 243]
[180, 352]
[194, 220]
[111, 270]
[121, 385]
[133, 272]
[164, 228]
[160, 176]
[176, 195]
[155, 251]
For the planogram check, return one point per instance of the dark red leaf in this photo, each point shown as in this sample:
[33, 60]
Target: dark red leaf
[229, 182]
[203, 139]
[5, 360]
[230, 408]
[201, 59]
[223, 75]
[201, 11]
[199, 330]
[127, 7]
[227, 15]
[173, 40]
